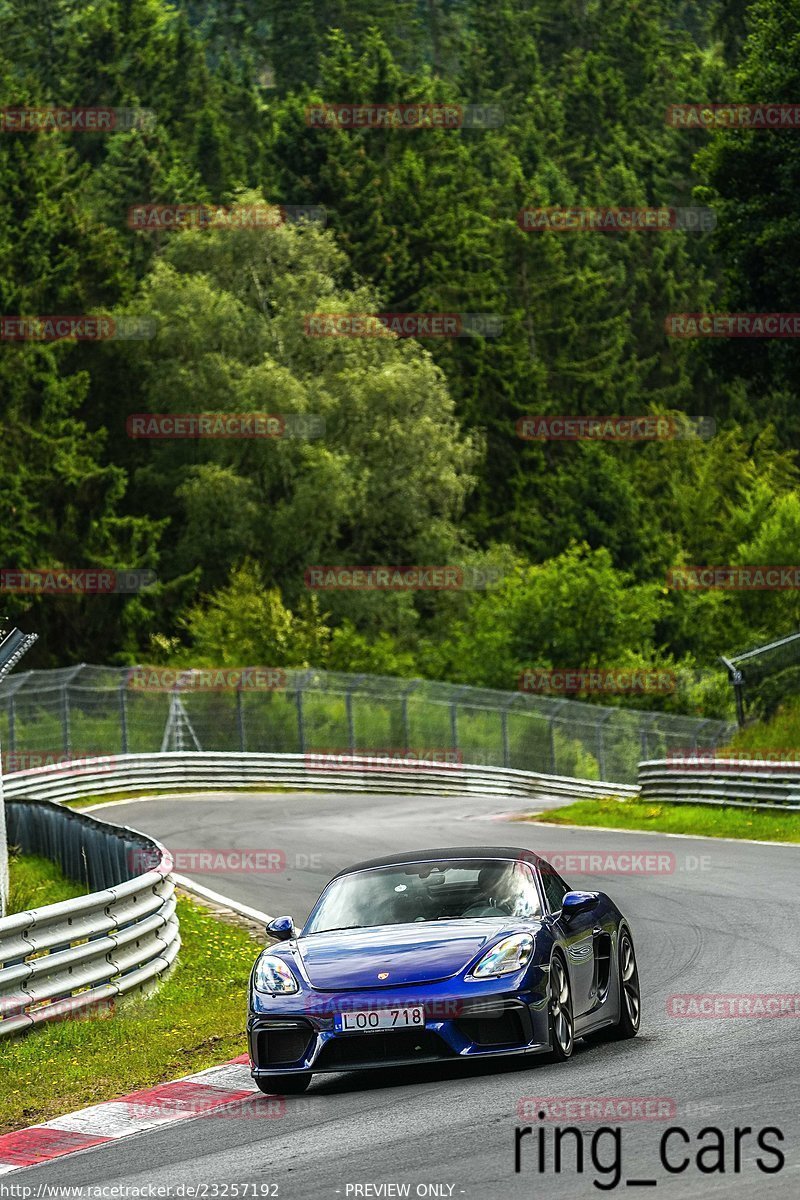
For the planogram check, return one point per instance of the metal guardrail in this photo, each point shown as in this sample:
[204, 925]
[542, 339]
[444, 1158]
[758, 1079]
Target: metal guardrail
[135, 772]
[738, 783]
[64, 958]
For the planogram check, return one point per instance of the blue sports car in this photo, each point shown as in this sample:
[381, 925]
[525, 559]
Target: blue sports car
[438, 955]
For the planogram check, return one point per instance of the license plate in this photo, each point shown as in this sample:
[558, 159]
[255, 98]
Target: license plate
[374, 1019]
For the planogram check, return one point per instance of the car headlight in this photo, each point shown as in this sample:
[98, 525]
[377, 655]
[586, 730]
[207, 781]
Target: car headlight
[274, 976]
[508, 956]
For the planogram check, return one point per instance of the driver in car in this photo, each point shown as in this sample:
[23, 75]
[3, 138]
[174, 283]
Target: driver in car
[495, 893]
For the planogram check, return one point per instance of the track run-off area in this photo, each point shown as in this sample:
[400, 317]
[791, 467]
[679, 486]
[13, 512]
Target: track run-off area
[715, 918]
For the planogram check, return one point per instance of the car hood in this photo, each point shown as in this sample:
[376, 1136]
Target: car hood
[420, 953]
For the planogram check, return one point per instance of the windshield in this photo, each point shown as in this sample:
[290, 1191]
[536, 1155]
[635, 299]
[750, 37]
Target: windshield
[427, 891]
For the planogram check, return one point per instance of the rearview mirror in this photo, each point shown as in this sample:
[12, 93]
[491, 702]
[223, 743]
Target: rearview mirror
[578, 902]
[281, 928]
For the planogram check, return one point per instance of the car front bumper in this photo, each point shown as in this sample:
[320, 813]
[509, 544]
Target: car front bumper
[297, 1035]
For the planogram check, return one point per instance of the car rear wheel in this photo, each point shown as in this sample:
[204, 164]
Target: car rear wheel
[630, 1005]
[562, 1026]
[283, 1085]
[630, 993]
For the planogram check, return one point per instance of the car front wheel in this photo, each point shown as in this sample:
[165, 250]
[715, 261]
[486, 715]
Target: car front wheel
[562, 1026]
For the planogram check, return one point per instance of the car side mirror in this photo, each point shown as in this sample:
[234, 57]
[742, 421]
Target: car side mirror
[281, 928]
[578, 902]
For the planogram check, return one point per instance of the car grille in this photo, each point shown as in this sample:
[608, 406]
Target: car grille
[283, 1044]
[361, 1050]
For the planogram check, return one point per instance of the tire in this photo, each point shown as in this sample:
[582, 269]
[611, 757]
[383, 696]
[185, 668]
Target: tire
[283, 1085]
[630, 992]
[562, 1024]
[630, 1004]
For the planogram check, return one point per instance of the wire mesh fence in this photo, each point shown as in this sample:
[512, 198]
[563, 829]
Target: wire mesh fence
[84, 711]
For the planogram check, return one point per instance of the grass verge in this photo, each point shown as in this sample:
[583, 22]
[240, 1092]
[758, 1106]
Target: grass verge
[189, 789]
[195, 1019]
[34, 882]
[698, 819]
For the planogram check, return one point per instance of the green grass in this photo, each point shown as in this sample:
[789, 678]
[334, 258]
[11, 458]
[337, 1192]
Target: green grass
[698, 819]
[34, 882]
[782, 733]
[195, 1019]
[135, 793]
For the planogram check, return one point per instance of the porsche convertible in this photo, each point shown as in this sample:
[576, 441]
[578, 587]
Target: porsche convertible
[439, 955]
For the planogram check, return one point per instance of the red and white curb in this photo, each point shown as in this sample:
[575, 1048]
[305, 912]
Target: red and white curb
[229, 1086]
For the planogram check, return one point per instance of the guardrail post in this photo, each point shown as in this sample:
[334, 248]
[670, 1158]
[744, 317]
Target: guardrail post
[123, 716]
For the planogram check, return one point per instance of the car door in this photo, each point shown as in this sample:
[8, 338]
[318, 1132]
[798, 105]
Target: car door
[578, 938]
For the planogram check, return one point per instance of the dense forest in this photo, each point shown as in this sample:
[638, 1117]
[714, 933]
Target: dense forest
[568, 544]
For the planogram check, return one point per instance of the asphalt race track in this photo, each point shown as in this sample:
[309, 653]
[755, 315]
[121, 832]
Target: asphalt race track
[724, 921]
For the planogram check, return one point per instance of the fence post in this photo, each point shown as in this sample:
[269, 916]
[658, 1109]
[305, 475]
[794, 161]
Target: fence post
[601, 748]
[454, 724]
[504, 735]
[552, 732]
[123, 715]
[66, 735]
[404, 711]
[240, 717]
[351, 728]
[301, 731]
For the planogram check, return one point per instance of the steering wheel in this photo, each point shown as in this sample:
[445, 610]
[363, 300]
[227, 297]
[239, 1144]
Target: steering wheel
[490, 909]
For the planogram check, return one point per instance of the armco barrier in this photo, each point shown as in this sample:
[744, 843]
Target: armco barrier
[62, 959]
[133, 772]
[739, 783]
